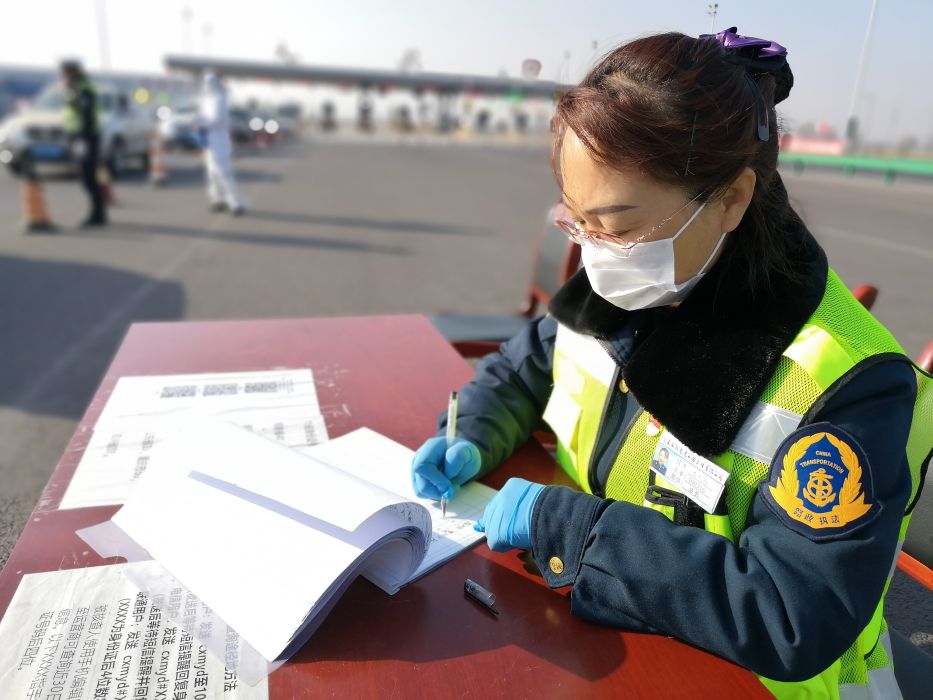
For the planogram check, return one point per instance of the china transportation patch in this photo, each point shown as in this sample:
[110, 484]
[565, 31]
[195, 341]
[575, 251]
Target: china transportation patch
[820, 483]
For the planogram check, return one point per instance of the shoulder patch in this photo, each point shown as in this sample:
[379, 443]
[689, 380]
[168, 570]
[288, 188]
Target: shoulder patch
[820, 483]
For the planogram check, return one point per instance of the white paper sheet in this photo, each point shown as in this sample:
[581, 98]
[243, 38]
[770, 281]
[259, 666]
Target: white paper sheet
[171, 395]
[86, 633]
[228, 514]
[137, 418]
[380, 460]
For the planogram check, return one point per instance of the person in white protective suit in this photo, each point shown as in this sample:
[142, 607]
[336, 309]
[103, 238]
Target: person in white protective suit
[215, 119]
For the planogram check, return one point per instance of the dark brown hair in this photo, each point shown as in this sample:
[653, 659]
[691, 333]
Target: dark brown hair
[685, 111]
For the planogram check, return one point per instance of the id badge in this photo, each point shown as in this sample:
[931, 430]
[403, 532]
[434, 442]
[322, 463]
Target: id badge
[695, 476]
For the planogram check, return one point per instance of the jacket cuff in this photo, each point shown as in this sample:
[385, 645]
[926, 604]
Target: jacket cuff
[560, 526]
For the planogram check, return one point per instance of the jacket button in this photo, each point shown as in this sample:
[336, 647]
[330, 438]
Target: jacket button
[557, 566]
[623, 387]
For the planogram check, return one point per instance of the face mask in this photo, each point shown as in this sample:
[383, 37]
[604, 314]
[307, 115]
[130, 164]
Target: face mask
[642, 276]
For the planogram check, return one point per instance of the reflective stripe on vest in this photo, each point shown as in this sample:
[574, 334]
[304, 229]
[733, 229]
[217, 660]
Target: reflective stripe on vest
[582, 375]
[582, 369]
[71, 119]
[592, 371]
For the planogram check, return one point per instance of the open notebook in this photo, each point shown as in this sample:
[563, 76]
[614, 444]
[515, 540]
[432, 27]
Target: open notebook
[268, 537]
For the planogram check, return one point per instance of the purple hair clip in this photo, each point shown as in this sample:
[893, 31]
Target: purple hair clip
[758, 56]
[730, 40]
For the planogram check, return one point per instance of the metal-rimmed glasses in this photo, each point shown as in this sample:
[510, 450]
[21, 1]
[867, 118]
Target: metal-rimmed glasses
[612, 241]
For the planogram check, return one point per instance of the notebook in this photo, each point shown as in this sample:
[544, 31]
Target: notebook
[268, 536]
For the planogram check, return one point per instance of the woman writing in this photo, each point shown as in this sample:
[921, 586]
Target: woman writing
[706, 323]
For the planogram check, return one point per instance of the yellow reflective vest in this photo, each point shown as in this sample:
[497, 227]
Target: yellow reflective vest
[838, 336]
[72, 114]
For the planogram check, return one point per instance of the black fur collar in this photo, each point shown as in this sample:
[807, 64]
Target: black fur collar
[700, 367]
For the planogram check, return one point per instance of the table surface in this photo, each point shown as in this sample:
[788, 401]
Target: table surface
[393, 374]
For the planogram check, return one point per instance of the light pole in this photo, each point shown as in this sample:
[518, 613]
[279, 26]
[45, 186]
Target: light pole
[852, 121]
[712, 11]
[207, 29]
[186, 16]
[102, 38]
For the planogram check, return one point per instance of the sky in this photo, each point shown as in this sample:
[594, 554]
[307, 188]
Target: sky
[488, 37]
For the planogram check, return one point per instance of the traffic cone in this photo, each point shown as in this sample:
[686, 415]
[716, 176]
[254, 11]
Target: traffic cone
[105, 180]
[157, 174]
[35, 214]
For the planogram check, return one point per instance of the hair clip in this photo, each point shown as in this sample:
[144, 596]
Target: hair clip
[758, 56]
[730, 40]
[761, 110]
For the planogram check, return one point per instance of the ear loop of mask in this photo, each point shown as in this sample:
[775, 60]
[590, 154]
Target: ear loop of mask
[689, 221]
[712, 255]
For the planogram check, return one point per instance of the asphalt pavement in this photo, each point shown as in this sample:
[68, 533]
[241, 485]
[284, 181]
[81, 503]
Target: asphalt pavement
[348, 228]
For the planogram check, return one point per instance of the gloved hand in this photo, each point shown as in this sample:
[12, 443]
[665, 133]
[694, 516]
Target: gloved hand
[438, 471]
[507, 518]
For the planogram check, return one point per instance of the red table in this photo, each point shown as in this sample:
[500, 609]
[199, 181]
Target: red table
[392, 374]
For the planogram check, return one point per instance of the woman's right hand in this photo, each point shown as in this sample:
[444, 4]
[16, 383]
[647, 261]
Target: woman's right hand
[438, 471]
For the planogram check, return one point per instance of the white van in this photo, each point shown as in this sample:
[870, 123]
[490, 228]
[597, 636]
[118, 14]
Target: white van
[38, 131]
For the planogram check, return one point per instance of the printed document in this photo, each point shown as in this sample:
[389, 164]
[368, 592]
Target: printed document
[82, 634]
[142, 411]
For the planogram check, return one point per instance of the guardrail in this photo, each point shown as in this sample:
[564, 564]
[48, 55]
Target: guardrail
[849, 165]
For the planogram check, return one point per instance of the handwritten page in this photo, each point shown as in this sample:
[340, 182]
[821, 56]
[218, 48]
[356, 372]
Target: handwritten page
[379, 460]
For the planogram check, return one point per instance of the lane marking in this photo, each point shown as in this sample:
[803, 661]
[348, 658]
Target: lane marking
[890, 246]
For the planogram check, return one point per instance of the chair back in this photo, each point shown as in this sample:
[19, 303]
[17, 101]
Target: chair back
[556, 259]
[919, 542]
[867, 294]
[925, 361]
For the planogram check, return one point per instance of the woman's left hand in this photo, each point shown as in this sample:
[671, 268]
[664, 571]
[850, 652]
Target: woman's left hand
[507, 518]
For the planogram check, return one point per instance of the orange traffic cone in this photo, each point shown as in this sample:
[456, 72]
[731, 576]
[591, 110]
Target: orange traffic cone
[35, 214]
[105, 180]
[157, 173]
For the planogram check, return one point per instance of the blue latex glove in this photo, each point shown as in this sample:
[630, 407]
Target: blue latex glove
[507, 518]
[438, 471]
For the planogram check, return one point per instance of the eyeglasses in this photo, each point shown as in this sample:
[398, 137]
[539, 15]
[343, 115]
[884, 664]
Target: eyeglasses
[611, 241]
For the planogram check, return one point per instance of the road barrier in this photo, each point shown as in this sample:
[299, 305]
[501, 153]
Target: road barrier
[36, 217]
[891, 168]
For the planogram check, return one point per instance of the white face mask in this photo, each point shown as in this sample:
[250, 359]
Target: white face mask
[642, 276]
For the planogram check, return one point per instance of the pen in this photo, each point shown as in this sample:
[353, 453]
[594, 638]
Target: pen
[480, 595]
[451, 436]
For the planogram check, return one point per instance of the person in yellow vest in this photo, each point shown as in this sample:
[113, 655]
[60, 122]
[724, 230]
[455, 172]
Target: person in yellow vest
[82, 128]
[706, 326]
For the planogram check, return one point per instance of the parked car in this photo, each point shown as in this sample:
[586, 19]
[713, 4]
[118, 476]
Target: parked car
[38, 131]
[289, 117]
[179, 127]
[240, 132]
[264, 127]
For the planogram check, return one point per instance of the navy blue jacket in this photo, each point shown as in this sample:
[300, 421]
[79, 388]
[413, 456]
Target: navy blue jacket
[777, 602]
